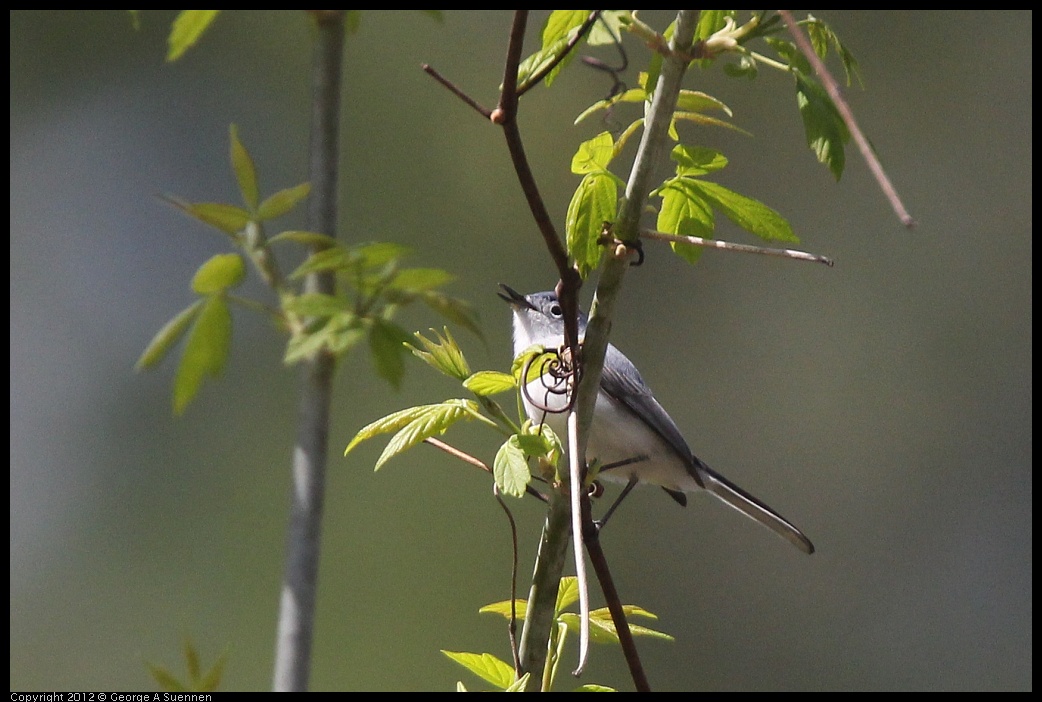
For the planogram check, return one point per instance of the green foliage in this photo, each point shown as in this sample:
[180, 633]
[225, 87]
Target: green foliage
[187, 29]
[688, 201]
[500, 674]
[372, 287]
[524, 441]
[198, 680]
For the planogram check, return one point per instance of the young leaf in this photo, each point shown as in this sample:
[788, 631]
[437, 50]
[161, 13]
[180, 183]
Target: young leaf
[205, 350]
[567, 593]
[228, 218]
[697, 101]
[334, 258]
[392, 422]
[166, 337]
[503, 608]
[485, 666]
[385, 344]
[305, 238]
[187, 28]
[685, 212]
[518, 685]
[283, 201]
[245, 171]
[593, 204]
[315, 305]
[221, 272]
[824, 128]
[421, 278]
[486, 383]
[697, 160]
[593, 155]
[435, 419]
[374, 254]
[510, 468]
[443, 355]
[339, 333]
[453, 309]
[560, 27]
[750, 214]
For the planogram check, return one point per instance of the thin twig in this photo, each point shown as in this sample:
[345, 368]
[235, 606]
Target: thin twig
[476, 462]
[512, 626]
[832, 88]
[430, 70]
[742, 248]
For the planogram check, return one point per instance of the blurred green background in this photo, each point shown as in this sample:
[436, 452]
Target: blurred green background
[884, 405]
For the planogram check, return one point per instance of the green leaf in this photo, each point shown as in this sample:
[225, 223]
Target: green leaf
[166, 337]
[315, 305]
[503, 608]
[315, 239]
[510, 468]
[221, 272]
[567, 593]
[602, 627]
[228, 218]
[335, 258]
[607, 30]
[212, 679]
[421, 278]
[191, 660]
[205, 352]
[167, 681]
[485, 666]
[283, 201]
[750, 214]
[453, 309]
[428, 421]
[560, 27]
[443, 355]
[486, 383]
[245, 172]
[697, 160]
[339, 333]
[826, 133]
[594, 203]
[187, 28]
[710, 22]
[685, 212]
[631, 95]
[593, 687]
[375, 254]
[697, 101]
[519, 684]
[385, 344]
[594, 155]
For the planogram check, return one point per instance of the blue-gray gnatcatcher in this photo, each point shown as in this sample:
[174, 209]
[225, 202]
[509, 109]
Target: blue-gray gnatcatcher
[632, 437]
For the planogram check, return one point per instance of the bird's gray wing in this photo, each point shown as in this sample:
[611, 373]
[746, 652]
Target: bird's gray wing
[621, 380]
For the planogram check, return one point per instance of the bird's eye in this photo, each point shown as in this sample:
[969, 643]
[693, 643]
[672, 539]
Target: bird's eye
[555, 310]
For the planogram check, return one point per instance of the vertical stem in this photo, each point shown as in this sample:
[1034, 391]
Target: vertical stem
[297, 605]
[542, 599]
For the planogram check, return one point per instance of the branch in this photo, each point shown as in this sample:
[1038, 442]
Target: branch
[652, 144]
[295, 633]
[742, 248]
[832, 88]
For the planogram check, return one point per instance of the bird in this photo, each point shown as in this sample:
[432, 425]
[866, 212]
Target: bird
[632, 438]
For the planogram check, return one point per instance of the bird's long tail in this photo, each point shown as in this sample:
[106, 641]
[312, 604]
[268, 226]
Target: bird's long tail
[751, 507]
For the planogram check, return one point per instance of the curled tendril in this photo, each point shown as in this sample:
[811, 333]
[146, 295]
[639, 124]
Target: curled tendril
[554, 374]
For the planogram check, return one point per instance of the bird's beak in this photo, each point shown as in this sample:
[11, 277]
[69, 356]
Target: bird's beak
[514, 298]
